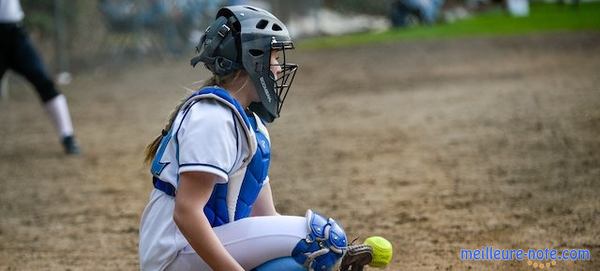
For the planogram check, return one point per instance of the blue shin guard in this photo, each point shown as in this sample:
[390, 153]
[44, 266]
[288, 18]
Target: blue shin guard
[324, 246]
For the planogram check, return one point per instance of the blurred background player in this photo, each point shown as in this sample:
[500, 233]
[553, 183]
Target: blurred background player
[17, 53]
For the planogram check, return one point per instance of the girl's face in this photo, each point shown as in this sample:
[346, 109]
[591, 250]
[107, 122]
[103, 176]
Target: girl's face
[275, 67]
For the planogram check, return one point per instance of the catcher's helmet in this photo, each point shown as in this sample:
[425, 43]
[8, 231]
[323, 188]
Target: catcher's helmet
[242, 37]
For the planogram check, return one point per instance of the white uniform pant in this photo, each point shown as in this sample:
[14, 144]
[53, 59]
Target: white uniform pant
[251, 241]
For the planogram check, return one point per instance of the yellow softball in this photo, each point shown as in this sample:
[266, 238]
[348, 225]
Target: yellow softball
[382, 251]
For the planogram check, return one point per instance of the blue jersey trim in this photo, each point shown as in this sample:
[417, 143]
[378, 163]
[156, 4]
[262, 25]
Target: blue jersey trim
[202, 164]
[187, 110]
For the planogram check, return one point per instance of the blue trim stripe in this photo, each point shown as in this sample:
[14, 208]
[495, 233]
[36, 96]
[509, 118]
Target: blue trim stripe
[187, 110]
[201, 164]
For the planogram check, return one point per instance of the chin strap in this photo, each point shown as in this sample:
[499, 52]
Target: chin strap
[324, 246]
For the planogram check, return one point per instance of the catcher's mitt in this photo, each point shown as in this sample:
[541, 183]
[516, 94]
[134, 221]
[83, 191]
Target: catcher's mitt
[356, 257]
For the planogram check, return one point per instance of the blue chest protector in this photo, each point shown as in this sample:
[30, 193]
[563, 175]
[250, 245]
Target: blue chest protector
[216, 208]
[256, 172]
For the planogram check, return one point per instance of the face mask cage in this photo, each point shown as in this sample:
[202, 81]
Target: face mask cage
[283, 80]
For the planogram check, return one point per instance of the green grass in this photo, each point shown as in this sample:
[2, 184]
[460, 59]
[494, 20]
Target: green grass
[543, 18]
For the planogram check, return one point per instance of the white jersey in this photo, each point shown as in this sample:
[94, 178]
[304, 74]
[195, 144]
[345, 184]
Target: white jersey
[11, 11]
[207, 136]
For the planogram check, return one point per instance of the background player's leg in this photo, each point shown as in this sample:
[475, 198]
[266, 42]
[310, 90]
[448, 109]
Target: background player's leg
[27, 62]
[58, 111]
[251, 241]
[4, 52]
[3, 82]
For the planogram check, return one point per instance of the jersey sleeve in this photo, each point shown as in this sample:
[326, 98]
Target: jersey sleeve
[208, 139]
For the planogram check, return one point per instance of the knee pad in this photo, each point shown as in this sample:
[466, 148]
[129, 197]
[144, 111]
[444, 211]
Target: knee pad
[324, 246]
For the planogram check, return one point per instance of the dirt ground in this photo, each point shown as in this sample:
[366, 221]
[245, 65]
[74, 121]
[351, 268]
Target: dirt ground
[436, 145]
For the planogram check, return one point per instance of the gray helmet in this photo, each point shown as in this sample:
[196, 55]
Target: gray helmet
[242, 37]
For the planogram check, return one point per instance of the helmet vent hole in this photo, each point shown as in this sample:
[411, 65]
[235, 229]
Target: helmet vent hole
[251, 8]
[262, 24]
[276, 27]
[255, 52]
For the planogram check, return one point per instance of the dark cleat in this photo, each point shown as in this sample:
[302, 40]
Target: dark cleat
[70, 145]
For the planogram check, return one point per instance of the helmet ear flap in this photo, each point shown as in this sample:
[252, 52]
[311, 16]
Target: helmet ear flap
[217, 48]
[224, 66]
[201, 55]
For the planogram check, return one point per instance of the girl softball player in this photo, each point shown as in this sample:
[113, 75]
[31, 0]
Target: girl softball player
[212, 207]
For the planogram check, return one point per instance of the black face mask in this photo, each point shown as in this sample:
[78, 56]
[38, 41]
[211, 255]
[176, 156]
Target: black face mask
[285, 78]
[276, 86]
